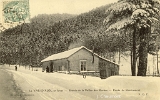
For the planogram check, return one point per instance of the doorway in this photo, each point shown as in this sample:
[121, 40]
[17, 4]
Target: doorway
[51, 66]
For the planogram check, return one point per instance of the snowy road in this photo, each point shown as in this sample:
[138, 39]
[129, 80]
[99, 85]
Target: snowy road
[43, 90]
[57, 86]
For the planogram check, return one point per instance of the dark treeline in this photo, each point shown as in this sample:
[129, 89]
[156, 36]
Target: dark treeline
[45, 35]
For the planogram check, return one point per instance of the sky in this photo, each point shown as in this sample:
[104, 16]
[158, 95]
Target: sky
[64, 6]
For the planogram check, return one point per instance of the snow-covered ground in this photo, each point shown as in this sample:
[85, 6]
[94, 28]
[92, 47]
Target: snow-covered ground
[57, 86]
[125, 64]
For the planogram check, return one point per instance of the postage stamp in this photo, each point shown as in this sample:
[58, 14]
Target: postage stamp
[15, 11]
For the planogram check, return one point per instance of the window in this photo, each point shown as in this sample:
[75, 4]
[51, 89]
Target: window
[83, 65]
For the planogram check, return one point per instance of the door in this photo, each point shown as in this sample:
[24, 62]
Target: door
[51, 67]
[103, 74]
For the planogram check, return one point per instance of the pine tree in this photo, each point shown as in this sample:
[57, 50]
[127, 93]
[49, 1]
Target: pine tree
[136, 15]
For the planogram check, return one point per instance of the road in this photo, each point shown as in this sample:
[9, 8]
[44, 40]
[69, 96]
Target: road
[57, 86]
[9, 90]
[48, 86]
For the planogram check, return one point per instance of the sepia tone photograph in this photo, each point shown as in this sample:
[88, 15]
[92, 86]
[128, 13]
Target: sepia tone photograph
[79, 50]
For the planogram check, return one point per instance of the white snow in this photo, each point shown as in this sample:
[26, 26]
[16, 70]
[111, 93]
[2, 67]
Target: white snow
[115, 87]
[125, 64]
[61, 55]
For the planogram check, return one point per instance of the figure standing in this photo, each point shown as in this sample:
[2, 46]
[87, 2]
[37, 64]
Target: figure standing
[16, 68]
[84, 75]
[47, 69]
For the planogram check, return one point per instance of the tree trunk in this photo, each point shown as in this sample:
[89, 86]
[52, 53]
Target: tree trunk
[142, 68]
[133, 67]
[119, 59]
[131, 61]
[157, 63]
[143, 52]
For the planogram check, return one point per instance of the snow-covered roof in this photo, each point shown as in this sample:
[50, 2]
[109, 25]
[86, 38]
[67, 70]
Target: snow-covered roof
[70, 52]
[62, 55]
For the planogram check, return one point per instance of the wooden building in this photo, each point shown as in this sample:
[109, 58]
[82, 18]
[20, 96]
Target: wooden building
[79, 60]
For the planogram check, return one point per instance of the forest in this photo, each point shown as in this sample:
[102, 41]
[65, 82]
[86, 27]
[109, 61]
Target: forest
[98, 30]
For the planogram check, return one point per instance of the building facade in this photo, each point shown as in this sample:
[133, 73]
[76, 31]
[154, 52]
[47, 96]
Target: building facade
[79, 60]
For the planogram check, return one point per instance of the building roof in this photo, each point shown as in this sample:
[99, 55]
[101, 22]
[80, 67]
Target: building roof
[70, 52]
[62, 55]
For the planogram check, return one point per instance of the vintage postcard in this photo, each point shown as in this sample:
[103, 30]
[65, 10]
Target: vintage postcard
[79, 50]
